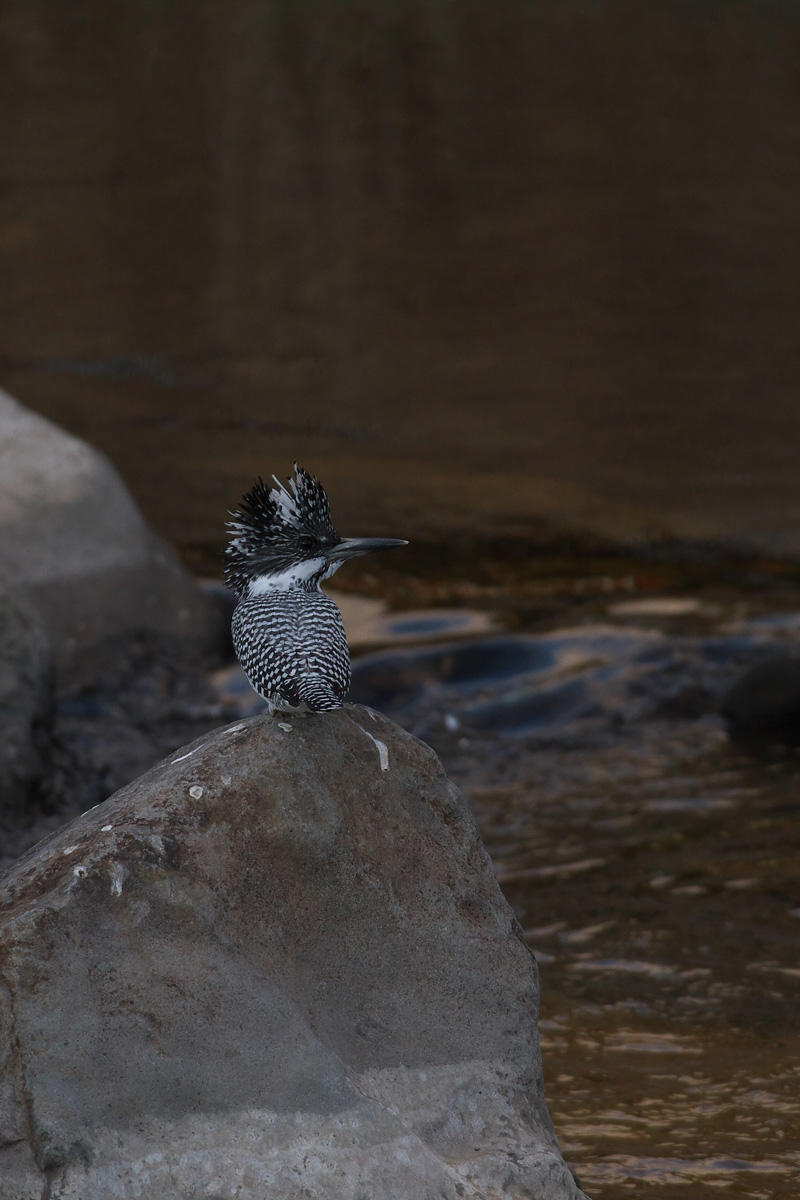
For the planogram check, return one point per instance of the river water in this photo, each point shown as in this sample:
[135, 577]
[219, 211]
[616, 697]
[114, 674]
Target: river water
[659, 892]
[487, 268]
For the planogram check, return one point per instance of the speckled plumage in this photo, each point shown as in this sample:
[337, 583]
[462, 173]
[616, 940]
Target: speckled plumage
[288, 635]
[293, 648]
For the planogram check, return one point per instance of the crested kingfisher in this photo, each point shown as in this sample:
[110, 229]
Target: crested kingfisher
[287, 634]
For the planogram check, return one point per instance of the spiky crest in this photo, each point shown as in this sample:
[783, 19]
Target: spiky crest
[274, 528]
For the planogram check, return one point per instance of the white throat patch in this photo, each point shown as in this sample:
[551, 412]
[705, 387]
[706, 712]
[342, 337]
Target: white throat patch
[282, 581]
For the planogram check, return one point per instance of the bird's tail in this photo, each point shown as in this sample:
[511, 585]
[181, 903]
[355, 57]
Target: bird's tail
[318, 695]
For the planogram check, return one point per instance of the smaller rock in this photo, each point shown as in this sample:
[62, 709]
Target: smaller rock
[762, 708]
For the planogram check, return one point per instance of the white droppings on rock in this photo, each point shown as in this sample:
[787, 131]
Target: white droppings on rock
[70, 850]
[283, 725]
[117, 876]
[234, 729]
[106, 828]
[226, 781]
[187, 755]
[383, 749]
[196, 791]
[80, 872]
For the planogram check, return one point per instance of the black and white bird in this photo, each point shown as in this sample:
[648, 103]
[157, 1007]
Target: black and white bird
[287, 634]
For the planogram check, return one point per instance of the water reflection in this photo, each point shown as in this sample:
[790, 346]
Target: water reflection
[676, 945]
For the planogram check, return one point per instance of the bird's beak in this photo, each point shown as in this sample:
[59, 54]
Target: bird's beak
[350, 547]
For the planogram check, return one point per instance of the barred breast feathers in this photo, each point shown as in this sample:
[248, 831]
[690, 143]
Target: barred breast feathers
[287, 634]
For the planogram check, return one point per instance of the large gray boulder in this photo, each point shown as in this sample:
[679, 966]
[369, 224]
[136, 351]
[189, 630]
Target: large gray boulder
[277, 965]
[25, 705]
[74, 544]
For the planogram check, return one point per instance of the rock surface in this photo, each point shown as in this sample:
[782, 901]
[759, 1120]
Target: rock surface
[277, 965]
[73, 541]
[25, 705]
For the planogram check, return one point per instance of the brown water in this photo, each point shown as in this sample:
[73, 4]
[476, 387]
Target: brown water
[511, 267]
[658, 885]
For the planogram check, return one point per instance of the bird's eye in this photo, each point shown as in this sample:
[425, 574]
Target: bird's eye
[305, 542]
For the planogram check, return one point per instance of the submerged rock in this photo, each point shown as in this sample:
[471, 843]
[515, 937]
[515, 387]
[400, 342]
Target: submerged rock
[277, 965]
[74, 543]
[561, 687]
[762, 707]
